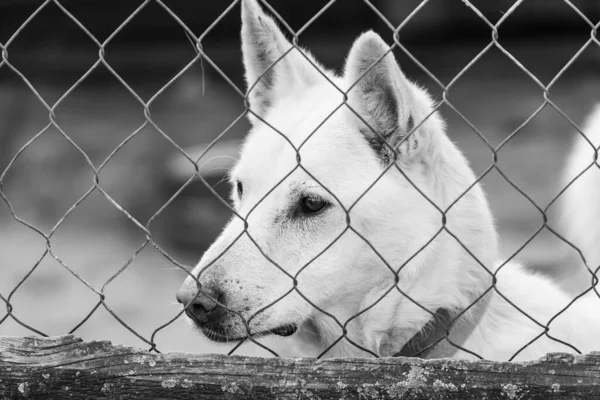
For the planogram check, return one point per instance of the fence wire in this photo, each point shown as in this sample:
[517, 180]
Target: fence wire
[202, 57]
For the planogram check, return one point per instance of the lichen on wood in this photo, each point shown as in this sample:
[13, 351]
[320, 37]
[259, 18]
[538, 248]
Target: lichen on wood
[67, 367]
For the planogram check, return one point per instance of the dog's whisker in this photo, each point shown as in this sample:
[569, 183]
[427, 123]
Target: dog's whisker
[217, 169]
[215, 158]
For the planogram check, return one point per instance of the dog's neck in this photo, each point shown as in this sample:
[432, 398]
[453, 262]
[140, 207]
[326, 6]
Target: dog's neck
[446, 332]
[431, 336]
[441, 337]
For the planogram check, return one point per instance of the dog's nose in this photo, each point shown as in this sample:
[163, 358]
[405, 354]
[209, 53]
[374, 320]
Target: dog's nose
[196, 301]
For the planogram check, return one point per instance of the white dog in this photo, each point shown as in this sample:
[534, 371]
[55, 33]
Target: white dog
[580, 203]
[363, 218]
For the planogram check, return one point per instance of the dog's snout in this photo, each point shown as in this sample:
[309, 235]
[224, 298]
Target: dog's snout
[186, 294]
[181, 296]
[199, 302]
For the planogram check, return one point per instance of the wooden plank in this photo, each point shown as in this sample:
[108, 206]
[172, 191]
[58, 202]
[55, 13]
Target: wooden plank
[66, 367]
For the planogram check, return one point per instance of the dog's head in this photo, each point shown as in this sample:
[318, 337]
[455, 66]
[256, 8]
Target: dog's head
[337, 195]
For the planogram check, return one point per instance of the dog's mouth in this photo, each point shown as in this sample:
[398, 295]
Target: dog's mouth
[219, 335]
[286, 330]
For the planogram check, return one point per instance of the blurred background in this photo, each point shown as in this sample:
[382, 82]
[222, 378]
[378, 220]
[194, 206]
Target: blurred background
[52, 61]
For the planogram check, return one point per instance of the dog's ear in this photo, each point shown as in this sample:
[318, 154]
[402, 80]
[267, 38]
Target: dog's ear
[387, 101]
[267, 74]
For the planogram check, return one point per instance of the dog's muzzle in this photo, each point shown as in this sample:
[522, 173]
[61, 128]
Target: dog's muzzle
[207, 309]
[199, 303]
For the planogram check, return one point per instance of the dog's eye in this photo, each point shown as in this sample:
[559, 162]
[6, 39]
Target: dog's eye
[240, 188]
[311, 205]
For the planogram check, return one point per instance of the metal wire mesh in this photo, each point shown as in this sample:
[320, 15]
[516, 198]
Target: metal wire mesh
[201, 56]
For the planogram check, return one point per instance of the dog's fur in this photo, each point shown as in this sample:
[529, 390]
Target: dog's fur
[580, 203]
[442, 262]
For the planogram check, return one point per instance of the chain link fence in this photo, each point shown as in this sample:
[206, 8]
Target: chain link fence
[394, 37]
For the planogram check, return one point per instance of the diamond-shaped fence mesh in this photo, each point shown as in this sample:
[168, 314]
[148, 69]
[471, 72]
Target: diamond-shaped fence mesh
[394, 37]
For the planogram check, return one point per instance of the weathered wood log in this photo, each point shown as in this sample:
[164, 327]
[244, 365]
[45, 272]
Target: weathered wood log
[66, 367]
